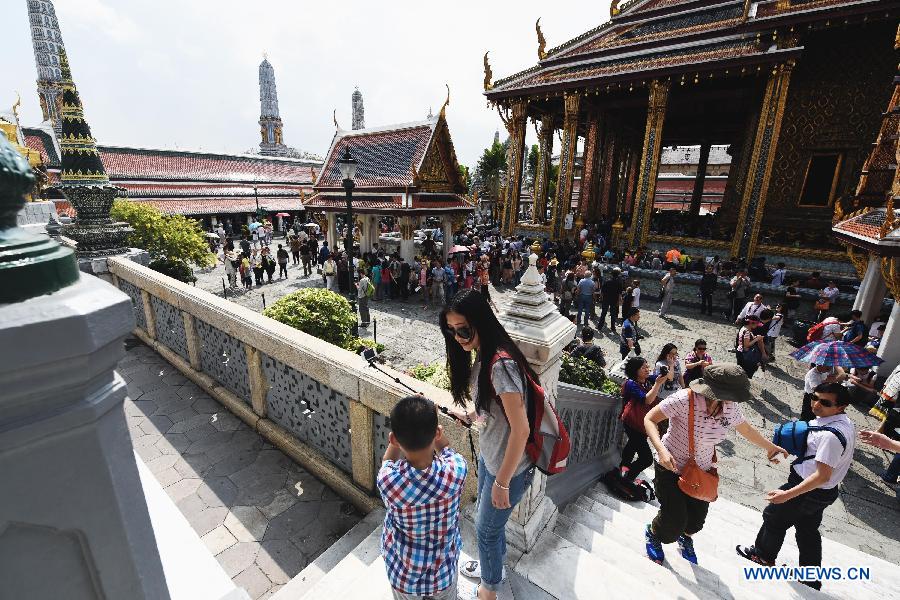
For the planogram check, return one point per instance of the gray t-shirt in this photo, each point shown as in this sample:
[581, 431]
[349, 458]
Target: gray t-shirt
[506, 377]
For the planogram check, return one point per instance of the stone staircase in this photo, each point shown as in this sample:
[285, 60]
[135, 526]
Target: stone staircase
[596, 550]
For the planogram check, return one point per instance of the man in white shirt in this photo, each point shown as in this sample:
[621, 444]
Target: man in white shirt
[812, 485]
[815, 377]
[636, 293]
[751, 309]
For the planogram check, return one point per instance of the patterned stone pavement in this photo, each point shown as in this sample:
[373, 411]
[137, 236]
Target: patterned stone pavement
[865, 517]
[261, 515]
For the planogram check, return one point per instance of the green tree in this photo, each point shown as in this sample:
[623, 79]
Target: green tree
[531, 166]
[173, 241]
[491, 168]
[464, 175]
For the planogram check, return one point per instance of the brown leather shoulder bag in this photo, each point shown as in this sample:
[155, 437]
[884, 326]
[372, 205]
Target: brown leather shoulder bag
[694, 481]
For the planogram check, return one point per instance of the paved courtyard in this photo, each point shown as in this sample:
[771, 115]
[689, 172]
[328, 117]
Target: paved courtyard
[260, 514]
[865, 516]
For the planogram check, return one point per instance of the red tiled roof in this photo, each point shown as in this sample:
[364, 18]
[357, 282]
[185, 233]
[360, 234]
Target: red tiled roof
[38, 140]
[141, 164]
[192, 190]
[867, 225]
[386, 155]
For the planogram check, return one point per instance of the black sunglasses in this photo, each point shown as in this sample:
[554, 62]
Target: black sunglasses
[825, 403]
[465, 333]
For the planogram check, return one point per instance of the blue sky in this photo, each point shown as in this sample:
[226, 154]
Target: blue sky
[167, 73]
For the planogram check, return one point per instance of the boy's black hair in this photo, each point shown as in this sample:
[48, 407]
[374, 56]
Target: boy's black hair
[587, 334]
[841, 393]
[856, 313]
[414, 422]
[766, 313]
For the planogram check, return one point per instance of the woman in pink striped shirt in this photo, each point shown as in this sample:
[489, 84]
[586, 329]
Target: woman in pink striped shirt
[715, 397]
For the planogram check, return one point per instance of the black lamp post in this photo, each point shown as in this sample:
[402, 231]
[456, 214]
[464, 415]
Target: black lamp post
[348, 166]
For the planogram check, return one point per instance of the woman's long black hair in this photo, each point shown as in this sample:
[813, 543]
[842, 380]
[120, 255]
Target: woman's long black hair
[472, 305]
[665, 352]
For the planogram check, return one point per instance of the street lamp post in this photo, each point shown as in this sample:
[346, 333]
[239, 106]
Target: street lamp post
[348, 166]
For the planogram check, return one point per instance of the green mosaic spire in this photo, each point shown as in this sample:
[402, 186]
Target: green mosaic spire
[80, 159]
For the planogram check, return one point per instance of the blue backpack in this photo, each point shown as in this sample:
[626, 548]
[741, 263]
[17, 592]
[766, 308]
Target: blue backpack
[792, 437]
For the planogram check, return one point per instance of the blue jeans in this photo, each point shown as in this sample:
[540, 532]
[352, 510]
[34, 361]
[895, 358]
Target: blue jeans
[586, 304]
[490, 523]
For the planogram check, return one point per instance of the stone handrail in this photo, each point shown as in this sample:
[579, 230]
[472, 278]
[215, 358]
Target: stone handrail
[318, 403]
[592, 419]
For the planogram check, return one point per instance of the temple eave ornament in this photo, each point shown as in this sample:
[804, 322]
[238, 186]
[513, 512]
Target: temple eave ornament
[542, 42]
[488, 74]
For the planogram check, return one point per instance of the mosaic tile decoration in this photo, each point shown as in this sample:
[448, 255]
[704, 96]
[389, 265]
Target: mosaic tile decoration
[224, 358]
[382, 425]
[137, 302]
[169, 326]
[313, 412]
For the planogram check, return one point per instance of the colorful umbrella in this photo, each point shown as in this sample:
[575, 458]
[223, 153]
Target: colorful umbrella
[282, 214]
[458, 248]
[836, 353]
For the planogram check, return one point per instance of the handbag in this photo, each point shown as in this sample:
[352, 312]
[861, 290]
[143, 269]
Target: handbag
[822, 304]
[694, 481]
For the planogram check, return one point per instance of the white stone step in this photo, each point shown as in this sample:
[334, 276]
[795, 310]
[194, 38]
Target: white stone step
[352, 567]
[628, 534]
[729, 524]
[568, 572]
[314, 572]
[698, 579]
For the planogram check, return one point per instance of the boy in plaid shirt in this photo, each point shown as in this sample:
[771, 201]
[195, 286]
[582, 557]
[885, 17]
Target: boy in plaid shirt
[421, 483]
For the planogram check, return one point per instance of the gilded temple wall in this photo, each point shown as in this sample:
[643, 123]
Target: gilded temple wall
[837, 93]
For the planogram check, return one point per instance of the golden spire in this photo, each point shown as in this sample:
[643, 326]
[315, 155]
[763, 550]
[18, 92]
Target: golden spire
[443, 112]
[542, 43]
[487, 73]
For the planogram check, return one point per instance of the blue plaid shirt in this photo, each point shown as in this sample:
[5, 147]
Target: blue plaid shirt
[420, 541]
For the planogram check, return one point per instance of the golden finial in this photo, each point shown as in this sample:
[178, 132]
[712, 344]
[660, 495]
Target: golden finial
[334, 118]
[15, 107]
[443, 112]
[542, 43]
[838, 215]
[614, 8]
[487, 73]
[889, 223]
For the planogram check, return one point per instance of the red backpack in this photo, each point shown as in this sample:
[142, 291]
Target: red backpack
[815, 332]
[548, 443]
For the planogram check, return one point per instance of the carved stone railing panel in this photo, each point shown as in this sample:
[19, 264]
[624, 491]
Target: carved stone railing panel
[224, 359]
[592, 420]
[137, 302]
[313, 412]
[170, 326]
[382, 429]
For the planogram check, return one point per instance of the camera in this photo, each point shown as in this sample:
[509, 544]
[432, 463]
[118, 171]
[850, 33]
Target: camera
[664, 370]
[369, 354]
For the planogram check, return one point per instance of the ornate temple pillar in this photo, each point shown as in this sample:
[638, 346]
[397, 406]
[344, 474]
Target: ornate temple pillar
[447, 231]
[587, 200]
[605, 201]
[652, 151]
[332, 235]
[697, 195]
[889, 350]
[542, 179]
[873, 288]
[541, 332]
[407, 240]
[759, 170]
[515, 125]
[562, 204]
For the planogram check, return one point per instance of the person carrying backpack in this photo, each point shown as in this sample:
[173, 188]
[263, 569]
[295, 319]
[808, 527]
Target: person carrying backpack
[498, 383]
[685, 477]
[812, 485]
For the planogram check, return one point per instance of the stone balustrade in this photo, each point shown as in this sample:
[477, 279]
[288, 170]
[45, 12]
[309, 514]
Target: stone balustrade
[592, 420]
[321, 405]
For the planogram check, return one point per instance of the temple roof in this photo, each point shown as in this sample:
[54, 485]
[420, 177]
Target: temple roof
[867, 229]
[665, 37]
[400, 203]
[417, 156]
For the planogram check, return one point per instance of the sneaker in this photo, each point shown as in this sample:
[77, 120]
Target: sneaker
[654, 547]
[686, 547]
[472, 568]
[749, 552]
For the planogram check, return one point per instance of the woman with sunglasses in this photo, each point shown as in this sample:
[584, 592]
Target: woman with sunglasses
[496, 384]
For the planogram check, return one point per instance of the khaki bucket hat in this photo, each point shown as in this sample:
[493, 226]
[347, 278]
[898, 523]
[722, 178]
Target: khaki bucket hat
[725, 382]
